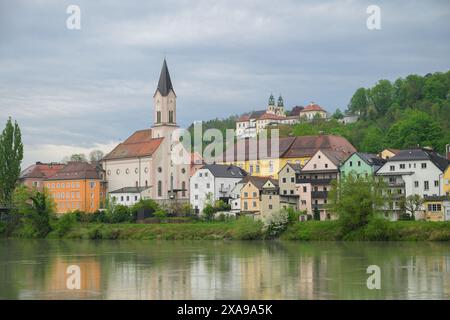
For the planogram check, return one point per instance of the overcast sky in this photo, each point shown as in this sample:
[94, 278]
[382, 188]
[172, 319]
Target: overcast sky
[78, 90]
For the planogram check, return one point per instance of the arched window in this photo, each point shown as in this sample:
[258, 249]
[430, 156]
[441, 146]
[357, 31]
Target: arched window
[137, 185]
[146, 183]
[158, 116]
[159, 188]
[183, 188]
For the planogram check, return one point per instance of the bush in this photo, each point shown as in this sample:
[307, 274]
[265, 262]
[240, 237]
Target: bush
[148, 205]
[119, 214]
[65, 223]
[248, 229]
[160, 214]
[208, 212]
[276, 223]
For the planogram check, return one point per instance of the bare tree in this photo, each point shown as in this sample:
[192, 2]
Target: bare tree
[95, 156]
[412, 204]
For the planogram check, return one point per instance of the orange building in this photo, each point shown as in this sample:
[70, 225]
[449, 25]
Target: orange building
[34, 175]
[78, 186]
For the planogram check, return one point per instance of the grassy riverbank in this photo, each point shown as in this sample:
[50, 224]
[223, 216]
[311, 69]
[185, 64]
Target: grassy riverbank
[376, 231]
[238, 230]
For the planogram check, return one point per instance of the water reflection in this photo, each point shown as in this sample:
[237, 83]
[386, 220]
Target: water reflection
[222, 270]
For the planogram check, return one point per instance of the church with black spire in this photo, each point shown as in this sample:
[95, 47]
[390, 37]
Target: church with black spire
[142, 166]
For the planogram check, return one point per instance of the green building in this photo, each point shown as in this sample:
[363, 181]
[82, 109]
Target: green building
[361, 164]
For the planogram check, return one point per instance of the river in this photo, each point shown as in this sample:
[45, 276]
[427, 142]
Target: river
[38, 269]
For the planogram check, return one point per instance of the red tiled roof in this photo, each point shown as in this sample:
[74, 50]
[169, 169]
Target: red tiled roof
[139, 144]
[41, 170]
[76, 170]
[313, 107]
[244, 117]
[271, 116]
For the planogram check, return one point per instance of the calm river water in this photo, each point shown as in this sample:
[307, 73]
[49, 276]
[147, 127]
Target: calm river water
[36, 269]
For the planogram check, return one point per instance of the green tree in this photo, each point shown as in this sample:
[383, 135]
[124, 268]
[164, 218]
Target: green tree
[11, 155]
[208, 212]
[316, 214]
[359, 102]
[416, 128]
[337, 114]
[355, 200]
[373, 140]
[381, 96]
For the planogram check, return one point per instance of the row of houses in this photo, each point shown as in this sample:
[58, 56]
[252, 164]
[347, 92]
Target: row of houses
[306, 187]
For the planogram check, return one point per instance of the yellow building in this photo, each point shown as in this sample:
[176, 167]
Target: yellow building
[388, 153]
[446, 184]
[437, 208]
[256, 157]
[78, 186]
[251, 194]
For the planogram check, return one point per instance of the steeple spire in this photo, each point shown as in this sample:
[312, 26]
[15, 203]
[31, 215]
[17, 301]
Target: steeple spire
[164, 84]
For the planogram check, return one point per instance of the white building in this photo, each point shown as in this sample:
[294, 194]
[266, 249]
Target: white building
[213, 182]
[146, 158]
[128, 196]
[413, 171]
[235, 197]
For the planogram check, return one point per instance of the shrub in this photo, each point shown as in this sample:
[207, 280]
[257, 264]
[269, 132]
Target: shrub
[95, 234]
[119, 213]
[65, 223]
[208, 212]
[248, 229]
[276, 223]
[160, 214]
[378, 229]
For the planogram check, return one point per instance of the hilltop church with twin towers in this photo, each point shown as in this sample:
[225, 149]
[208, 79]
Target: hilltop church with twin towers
[141, 166]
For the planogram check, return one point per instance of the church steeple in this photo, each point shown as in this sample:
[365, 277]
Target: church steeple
[164, 83]
[164, 105]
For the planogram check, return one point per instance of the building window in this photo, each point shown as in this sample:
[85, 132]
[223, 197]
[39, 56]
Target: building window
[254, 204]
[350, 163]
[159, 169]
[392, 168]
[135, 198]
[92, 184]
[402, 166]
[183, 170]
[136, 170]
[196, 197]
[245, 194]
[254, 194]
[270, 207]
[426, 185]
[118, 171]
[208, 186]
[128, 198]
[284, 180]
[304, 189]
[326, 165]
[159, 188]
[127, 171]
[158, 116]
[436, 183]
[245, 205]
[416, 184]
[196, 186]
[171, 116]
[146, 183]
[424, 165]
[183, 189]
[121, 198]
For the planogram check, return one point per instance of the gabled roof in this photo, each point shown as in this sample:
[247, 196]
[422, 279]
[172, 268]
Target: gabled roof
[139, 144]
[225, 171]
[421, 154]
[371, 159]
[164, 83]
[294, 166]
[273, 181]
[76, 170]
[41, 170]
[337, 157]
[258, 182]
[130, 190]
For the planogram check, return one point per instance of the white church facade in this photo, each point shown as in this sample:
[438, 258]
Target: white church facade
[144, 160]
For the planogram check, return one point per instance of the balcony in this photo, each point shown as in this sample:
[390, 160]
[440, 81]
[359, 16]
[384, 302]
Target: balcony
[320, 181]
[319, 194]
[396, 184]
